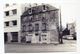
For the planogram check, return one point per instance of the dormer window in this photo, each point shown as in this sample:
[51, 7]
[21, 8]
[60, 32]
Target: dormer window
[7, 5]
[14, 3]
[45, 7]
[30, 11]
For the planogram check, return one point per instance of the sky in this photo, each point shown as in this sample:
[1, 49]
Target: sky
[68, 8]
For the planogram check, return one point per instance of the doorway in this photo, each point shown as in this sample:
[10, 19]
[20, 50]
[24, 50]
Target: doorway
[5, 37]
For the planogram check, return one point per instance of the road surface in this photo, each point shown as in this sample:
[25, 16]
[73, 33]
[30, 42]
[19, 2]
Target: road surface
[68, 46]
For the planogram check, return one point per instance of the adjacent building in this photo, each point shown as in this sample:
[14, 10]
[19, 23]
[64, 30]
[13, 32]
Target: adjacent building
[12, 21]
[39, 24]
[71, 28]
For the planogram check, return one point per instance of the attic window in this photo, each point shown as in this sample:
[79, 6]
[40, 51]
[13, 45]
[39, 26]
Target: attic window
[44, 7]
[29, 11]
[7, 5]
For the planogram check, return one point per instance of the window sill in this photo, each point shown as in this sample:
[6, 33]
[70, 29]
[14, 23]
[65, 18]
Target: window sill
[10, 15]
[10, 26]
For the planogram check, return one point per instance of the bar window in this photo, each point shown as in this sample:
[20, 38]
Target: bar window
[14, 11]
[7, 13]
[14, 22]
[7, 23]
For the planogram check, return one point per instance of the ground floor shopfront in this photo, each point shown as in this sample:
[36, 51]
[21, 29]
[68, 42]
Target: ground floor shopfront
[48, 37]
[40, 37]
[11, 37]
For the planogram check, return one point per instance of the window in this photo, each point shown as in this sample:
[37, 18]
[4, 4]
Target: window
[44, 19]
[39, 16]
[30, 28]
[14, 11]
[25, 8]
[7, 23]
[34, 9]
[44, 7]
[47, 7]
[30, 19]
[44, 37]
[44, 25]
[36, 27]
[36, 17]
[30, 11]
[36, 34]
[39, 38]
[24, 28]
[7, 5]
[44, 15]
[14, 22]
[7, 13]
[14, 3]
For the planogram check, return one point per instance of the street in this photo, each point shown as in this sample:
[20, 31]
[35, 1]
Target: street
[68, 46]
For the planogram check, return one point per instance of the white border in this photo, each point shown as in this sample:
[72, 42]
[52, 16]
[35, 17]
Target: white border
[76, 13]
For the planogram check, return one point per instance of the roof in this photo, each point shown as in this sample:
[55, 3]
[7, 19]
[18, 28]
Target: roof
[38, 9]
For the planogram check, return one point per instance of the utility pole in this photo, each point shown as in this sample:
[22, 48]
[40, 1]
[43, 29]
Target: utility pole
[60, 30]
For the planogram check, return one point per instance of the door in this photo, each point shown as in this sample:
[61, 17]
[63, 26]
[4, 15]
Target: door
[29, 38]
[5, 37]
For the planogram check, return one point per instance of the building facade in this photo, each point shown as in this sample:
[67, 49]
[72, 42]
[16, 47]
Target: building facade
[39, 24]
[12, 24]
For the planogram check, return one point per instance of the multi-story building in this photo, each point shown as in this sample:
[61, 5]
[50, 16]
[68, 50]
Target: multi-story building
[12, 24]
[39, 24]
[71, 28]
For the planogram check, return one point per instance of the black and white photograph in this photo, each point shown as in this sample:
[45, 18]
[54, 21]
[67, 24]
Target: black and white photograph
[39, 27]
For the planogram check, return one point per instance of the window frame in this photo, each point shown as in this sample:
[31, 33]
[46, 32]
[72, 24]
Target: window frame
[14, 22]
[14, 11]
[36, 27]
[7, 13]
[6, 24]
